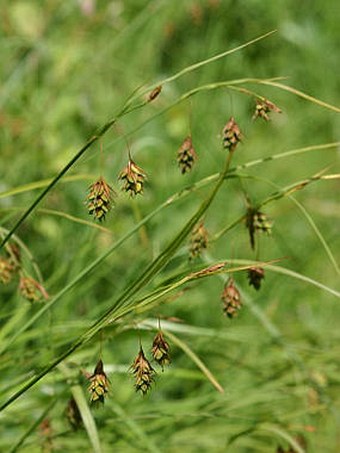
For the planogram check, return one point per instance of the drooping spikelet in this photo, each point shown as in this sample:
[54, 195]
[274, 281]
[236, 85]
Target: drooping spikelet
[160, 350]
[257, 221]
[186, 155]
[73, 414]
[198, 240]
[143, 371]
[46, 436]
[263, 108]
[231, 135]
[133, 178]
[6, 270]
[99, 384]
[32, 290]
[99, 199]
[231, 299]
[255, 277]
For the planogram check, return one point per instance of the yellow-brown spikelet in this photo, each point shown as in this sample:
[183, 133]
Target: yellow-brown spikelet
[73, 414]
[133, 178]
[231, 299]
[32, 290]
[186, 155]
[143, 371]
[231, 135]
[160, 350]
[14, 255]
[263, 108]
[198, 240]
[99, 384]
[99, 199]
[7, 270]
[257, 221]
[255, 276]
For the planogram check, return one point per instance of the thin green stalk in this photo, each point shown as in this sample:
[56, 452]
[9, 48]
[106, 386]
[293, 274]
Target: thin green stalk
[33, 427]
[190, 353]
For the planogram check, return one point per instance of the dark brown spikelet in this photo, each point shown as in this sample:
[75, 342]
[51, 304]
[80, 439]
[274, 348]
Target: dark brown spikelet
[133, 178]
[231, 299]
[143, 371]
[99, 199]
[186, 155]
[263, 108]
[32, 290]
[160, 350]
[231, 135]
[73, 414]
[255, 277]
[257, 221]
[198, 240]
[99, 384]
[6, 270]
[154, 93]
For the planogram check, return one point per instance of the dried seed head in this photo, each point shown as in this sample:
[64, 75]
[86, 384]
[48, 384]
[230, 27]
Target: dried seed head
[231, 299]
[99, 199]
[231, 135]
[186, 155]
[198, 240]
[257, 221]
[154, 93]
[99, 384]
[160, 350]
[133, 178]
[263, 108]
[32, 290]
[73, 414]
[255, 277]
[143, 371]
[6, 270]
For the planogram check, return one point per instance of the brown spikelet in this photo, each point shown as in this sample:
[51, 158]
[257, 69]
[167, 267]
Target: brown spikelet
[231, 299]
[32, 290]
[263, 108]
[160, 350]
[154, 93]
[255, 277]
[133, 178]
[99, 384]
[99, 199]
[73, 414]
[46, 435]
[186, 155]
[231, 135]
[257, 221]
[7, 270]
[198, 240]
[143, 371]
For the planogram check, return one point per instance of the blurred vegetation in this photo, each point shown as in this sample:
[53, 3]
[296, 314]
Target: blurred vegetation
[67, 68]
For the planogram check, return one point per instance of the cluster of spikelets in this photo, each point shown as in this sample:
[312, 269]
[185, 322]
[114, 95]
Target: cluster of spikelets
[99, 203]
[141, 368]
[11, 268]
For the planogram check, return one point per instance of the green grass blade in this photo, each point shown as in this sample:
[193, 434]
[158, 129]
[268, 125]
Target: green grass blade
[190, 353]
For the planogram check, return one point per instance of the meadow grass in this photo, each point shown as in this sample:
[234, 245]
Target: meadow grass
[75, 105]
